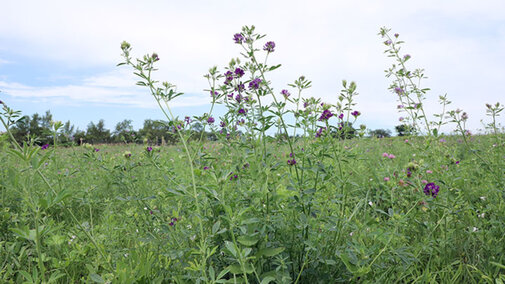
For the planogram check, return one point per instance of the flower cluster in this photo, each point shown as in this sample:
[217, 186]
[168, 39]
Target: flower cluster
[173, 221]
[255, 84]
[285, 93]
[325, 115]
[238, 38]
[431, 189]
[386, 155]
[269, 46]
[43, 147]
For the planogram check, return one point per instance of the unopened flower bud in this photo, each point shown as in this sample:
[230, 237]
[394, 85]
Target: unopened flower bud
[125, 45]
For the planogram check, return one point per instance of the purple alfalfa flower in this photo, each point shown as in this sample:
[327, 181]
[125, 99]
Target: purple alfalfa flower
[205, 168]
[341, 116]
[43, 147]
[355, 113]
[96, 149]
[238, 98]
[1, 102]
[406, 57]
[210, 120]
[269, 46]
[255, 84]
[401, 118]
[239, 72]
[291, 155]
[464, 116]
[292, 162]
[242, 111]
[214, 93]
[325, 115]
[222, 124]
[187, 119]
[305, 104]
[319, 132]
[233, 176]
[397, 35]
[240, 87]
[155, 57]
[238, 38]
[241, 122]
[400, 106]
[388, 42]
[149, 149]
[228, 77]
[399, 90]
[285, 93]
[442, 140]
[431, 189]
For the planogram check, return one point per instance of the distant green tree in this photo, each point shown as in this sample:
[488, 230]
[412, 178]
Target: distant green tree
[380, 133]
[124, 132]
[404, 130]
[97, 133]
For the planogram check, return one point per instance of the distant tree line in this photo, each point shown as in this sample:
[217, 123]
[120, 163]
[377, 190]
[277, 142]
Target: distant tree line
[40, 129]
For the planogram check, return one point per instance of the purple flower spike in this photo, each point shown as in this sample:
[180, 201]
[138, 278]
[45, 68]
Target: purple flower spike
[149, 149]
[355, 113]
[292, 162]
[238, 98]
[238, 38]
[242, 111]
[240, 87]
[269, 46]
[285, 93]
[239, 72]
[325, 115]
[43, 147]
[431, 189]
[399, 90]
[210, 120]
[255, 84]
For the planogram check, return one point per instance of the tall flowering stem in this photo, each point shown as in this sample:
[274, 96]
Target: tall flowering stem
[404, 84]
[144, 68]
[250, 51]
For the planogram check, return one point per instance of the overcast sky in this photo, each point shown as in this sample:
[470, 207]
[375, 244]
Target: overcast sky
[62, 55]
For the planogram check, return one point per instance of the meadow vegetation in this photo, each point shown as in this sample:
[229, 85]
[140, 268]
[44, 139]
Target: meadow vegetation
[317, 203]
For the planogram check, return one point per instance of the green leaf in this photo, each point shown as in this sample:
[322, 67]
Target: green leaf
[269, 252]
[237, 269]
[26, 275]
[247, 240]
[96, 278]
[274, 67]
[267, 280]
[215, 227]
[231, 248]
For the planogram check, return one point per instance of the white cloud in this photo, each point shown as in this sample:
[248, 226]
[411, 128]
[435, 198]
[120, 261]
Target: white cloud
[106, 89]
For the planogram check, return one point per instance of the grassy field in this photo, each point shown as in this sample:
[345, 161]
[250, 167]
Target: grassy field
[362, 211]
